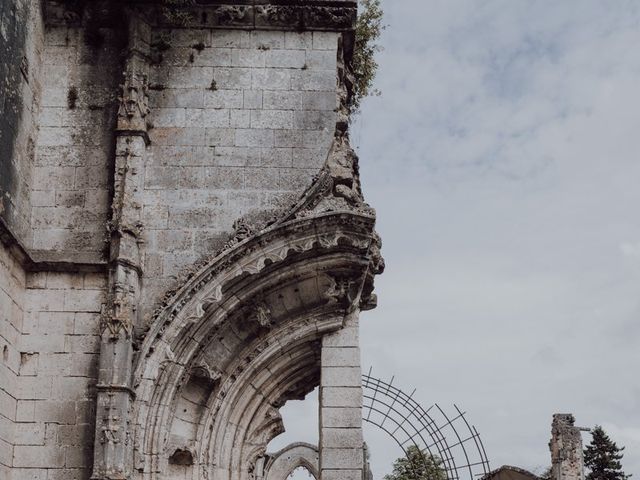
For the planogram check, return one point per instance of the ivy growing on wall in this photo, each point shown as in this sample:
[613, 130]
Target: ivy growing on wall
[369, 26]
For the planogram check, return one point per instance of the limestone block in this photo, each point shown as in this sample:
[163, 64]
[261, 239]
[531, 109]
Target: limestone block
[238, 156]
[341, 458]
[243, 57]
[261, 179]
[240, 118]
[276, 157]
[43, 343]
[207, 118]
[271, 79]
[38, 456]
[55, 322]
[313, 120]
[267, 39]
[321, 60]
[282, 100]
[252, 99]
[348, 337]
[168, 117]
[223, 99]
[340, 376]
[341, 437]
[83, 300]
[341, 396]
[341, 417]
[230, 38]
[220, 137]
[85, 323]
[29, 434]
[308, 157]
[254, 138]
[28, 474]
[285, 59]
[300, 41]
[231, 78]
[176, 98]
[341, 474]
[184, 77]
[54, 364]
[24, 409]
[271, 119]
[214, 57]
[325, 40]
[34, 388]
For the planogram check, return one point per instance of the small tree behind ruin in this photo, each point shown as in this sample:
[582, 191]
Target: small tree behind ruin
[602, 457]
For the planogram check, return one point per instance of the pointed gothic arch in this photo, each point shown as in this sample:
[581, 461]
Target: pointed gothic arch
[242, 335]
[283, 463]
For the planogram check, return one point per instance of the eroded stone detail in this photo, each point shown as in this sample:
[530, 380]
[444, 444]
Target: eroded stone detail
[198, 384]
[567, 461]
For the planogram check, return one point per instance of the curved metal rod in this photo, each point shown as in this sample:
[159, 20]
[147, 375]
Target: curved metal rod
[386, 402]
[430, 425]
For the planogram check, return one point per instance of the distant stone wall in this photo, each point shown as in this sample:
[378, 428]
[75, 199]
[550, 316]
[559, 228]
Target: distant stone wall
[21, 31]
[240, 119]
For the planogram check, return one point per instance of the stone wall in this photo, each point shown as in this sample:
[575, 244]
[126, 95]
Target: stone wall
[75, 144]
[12, 285]
[21, 32]
[567, 462]
[240, 120]
[55, 394]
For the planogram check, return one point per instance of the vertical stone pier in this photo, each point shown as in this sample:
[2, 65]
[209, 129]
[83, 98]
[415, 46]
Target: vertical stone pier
[341, 442]
[567, 461]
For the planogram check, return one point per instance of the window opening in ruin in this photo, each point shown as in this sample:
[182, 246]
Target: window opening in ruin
[300, 419]
[300, 473]
[181, 457]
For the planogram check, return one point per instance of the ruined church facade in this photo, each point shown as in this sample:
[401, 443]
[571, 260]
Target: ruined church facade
[184, 241]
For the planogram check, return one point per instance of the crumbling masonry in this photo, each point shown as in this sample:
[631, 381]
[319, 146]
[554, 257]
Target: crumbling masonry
[185, 245]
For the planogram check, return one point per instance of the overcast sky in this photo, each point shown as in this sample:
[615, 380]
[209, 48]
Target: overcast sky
[503, 161]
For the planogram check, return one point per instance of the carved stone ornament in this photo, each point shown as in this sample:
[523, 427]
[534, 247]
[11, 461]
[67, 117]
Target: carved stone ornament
[262, 314]
[228, 15]
[117, 318]
[276, 15]
[134, 101]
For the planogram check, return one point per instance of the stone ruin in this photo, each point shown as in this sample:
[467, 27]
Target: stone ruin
[185, 245]
[567, 462]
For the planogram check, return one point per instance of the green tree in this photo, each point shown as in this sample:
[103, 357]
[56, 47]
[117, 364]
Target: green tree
[602, 457]
[417, 465]
[368, 29]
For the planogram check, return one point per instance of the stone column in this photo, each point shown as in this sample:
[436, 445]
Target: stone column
[113, 445]
[567, 461]
[341, 442]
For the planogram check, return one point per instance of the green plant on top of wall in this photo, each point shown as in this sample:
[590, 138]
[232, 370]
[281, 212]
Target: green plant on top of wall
[369, 26]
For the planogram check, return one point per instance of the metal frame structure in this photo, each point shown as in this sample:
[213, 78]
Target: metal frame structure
[448, 437]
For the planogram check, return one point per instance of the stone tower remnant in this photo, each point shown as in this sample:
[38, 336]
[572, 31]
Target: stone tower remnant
[184, 242]
[567, 461]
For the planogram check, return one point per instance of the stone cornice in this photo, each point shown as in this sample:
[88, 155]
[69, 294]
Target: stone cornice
[44, 261]
[295, 15]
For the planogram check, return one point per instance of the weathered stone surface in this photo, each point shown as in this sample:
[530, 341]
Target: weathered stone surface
[567, 462]
[147, 172]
